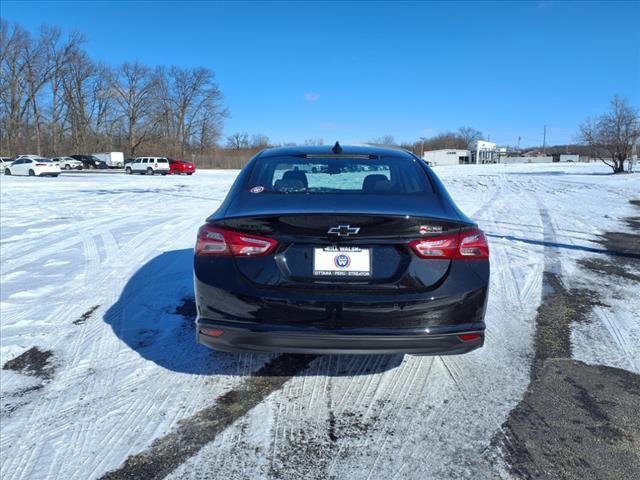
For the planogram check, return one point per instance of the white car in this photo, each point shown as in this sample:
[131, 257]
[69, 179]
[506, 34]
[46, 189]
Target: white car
[148, 166]
[68, 163]
[33, 166]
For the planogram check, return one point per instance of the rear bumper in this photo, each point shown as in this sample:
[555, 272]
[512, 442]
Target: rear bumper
[276, 338]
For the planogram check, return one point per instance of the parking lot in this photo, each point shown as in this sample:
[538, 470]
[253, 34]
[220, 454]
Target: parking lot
[102, 377]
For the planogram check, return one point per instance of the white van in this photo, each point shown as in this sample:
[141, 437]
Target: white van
[112, 159]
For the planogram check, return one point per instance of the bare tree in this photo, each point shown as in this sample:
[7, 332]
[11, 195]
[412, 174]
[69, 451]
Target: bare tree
[259, 140]
[13, 87]
[78, 90]
[238, 140]
[611, 136]
[58, 53]
[383, 140]
[190, 96]
[135, 89]
[469, 135]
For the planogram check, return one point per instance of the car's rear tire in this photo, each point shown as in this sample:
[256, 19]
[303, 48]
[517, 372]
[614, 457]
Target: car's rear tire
[163, 174]
[55, 175]
[32, 173]
[149, 171]
[190, 173]
[80, 167]
[128, 171]
[7, 171]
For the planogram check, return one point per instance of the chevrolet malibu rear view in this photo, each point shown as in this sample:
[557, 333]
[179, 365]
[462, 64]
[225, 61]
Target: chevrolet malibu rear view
[340, 250]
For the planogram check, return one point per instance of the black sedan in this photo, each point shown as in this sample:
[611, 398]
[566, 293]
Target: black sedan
[90, 161]
[340, 250]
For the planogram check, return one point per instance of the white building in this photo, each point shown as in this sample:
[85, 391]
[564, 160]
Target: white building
[569, 157]
[449, 156]
[482, 151]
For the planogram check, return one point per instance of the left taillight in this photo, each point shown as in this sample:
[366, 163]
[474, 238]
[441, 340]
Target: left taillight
[466, 245]
[214, 241]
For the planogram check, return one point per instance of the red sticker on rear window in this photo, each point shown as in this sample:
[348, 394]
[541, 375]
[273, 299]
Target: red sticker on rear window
[258, 189]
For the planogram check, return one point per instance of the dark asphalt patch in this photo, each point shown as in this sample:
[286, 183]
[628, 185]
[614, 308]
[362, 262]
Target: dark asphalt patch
[629, 243]
[86, 315]
[170, 451]
[560, 307]
[33, 362]
[612, 268]
[576, 421]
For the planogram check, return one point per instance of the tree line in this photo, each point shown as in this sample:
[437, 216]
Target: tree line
[55, 100]
[460, 139]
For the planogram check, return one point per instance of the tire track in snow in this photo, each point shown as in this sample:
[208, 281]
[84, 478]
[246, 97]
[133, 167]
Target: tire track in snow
[170, 451]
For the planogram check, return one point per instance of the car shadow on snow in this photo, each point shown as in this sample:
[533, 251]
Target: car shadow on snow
[155, 316]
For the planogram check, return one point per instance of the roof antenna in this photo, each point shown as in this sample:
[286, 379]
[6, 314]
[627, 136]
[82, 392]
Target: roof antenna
[336, 148]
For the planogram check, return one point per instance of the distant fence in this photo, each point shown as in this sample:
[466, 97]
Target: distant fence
[526, 160]
[223, 158]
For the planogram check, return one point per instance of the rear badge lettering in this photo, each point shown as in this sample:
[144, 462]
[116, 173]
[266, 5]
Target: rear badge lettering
[424, 229]
[258, 189]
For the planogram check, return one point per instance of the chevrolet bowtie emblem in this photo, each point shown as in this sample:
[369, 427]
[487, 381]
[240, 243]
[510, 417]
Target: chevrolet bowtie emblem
[343, 230]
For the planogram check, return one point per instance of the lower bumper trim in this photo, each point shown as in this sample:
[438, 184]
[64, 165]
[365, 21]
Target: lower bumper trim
[234, 339]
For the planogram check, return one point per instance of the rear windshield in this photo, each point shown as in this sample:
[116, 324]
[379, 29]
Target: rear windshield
[384, 175]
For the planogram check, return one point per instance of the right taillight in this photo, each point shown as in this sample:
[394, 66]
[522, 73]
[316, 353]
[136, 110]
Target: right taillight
[473, 245]
[218, 241]
[436, 247]
[467, 245]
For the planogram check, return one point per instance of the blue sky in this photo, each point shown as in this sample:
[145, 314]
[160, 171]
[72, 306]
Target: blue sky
[354, 71]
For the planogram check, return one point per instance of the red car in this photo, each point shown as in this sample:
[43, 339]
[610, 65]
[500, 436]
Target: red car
[178, 167]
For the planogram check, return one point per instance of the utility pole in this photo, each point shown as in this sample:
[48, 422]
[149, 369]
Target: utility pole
[634, 154]
[544, 141]
[422, 148]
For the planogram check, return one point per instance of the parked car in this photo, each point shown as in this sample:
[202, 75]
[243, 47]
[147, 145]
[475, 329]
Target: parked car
[5, 162]
[178, 167]
[68, 163]
[372, 256]
[89, 161]
[112, 159]
[148, 166]
[33, 166]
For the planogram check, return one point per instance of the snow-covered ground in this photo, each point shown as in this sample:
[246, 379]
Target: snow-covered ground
[94, 266]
